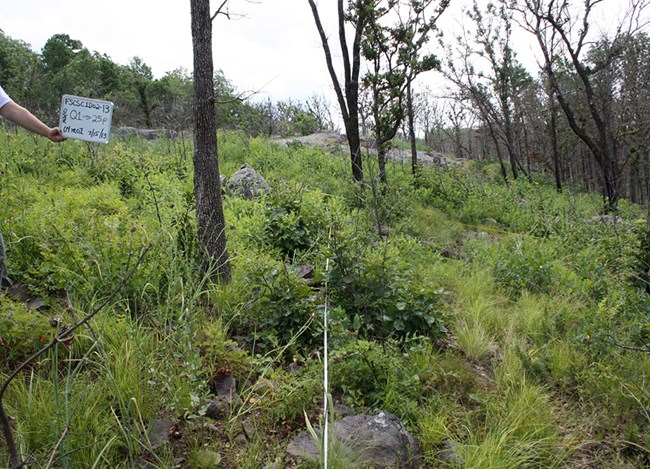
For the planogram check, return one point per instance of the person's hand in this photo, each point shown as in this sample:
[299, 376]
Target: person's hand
[55, 135]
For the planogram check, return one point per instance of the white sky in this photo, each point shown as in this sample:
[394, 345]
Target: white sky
[273, 47]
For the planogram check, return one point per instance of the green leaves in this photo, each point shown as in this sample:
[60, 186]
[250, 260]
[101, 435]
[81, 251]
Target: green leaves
[22, 332]
[393, 52]
[523, 265]
[385, 299]
[280, 311]
[292, 226]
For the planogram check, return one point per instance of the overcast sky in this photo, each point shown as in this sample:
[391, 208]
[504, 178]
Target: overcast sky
[274, 46]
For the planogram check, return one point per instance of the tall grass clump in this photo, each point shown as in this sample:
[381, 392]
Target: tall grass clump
[519, 428]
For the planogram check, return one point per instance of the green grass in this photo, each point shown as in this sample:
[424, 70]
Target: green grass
[473, 341]
[531, 295]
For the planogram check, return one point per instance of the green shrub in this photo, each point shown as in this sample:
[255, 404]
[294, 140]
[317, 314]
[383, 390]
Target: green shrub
[449, 190]
[431, 224]
[291, 395]
[381, 296]
[220, 352]
[359, 371]
[294, 221]
[280, 311]
[622, 318]
[23, 331]
[523, 265]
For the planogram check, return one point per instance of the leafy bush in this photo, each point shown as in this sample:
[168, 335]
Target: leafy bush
[293, 222]
[523, 265]
[621, 318]
[23, 331]
[280, 311]
[293, 394]
[380, 296]
[449, 190]
[359, 373]
[220, 352]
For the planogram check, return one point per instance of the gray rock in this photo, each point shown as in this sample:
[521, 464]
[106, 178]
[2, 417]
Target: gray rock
[224, 386]
[449, 453]
[159, 433]
[380, 441]
[437, 159]
[240, 440]
[490, 221]
[217, 408]
[247, 183]
[35, 303]
[343, 410]
[249, 427]
[206, 458]
[293, 367]
[469, 235]
[147, 134]
[608, 220]
[306, 271]
[220, 407]
[20, 292]
[337, 143]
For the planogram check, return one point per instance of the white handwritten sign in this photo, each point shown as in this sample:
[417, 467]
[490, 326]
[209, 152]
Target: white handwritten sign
[86, 119]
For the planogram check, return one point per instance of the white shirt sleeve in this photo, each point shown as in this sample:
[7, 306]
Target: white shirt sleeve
[4, 97]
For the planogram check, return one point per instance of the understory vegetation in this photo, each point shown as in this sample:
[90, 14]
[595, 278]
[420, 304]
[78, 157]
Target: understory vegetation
[508, 321]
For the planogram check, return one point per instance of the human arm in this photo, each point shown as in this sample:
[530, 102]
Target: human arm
[22, 117]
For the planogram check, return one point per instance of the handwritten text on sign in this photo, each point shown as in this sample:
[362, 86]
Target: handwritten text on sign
[86, 119]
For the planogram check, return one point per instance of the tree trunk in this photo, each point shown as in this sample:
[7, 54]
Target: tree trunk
[354, 142]
[382, 152]
[645, 274]
[554, 148]
[511, 150]
[411, 118]
[144, 104]
[348, 102]
[3, 263]
[210, 219]
[610, 179]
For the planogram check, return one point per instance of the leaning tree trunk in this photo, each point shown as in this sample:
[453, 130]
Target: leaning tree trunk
[210, 220]
[511, 150]
[348, 102]
[3, 263]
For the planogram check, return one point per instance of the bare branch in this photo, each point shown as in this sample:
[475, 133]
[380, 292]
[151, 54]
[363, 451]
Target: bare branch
[219, 11]
[629, 347]
[14, 457]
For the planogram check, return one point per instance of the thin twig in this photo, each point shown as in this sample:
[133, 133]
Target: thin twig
[14, 457]
[58, 443]
[227, 15]
[74, 315]
[629, 347]
[155, 200]
[63, 455]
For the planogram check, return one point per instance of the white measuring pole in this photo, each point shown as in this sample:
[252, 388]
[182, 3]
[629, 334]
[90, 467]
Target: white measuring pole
[326, 372]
